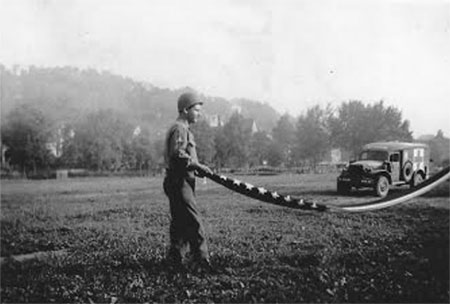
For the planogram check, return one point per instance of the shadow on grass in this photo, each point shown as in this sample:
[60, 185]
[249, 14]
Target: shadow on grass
[441, 190]
[398, 271]
[411, 266]
[412, 274]
[366, 192]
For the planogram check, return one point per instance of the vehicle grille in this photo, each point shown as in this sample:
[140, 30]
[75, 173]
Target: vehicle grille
[356, 170]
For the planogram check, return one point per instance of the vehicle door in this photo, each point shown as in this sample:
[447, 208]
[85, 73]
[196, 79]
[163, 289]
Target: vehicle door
[394, 159]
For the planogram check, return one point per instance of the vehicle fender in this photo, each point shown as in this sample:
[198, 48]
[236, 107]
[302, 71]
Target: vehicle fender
[420, 171]
[385, 174]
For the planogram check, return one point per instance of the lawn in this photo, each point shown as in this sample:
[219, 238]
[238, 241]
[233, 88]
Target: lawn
[115, 235]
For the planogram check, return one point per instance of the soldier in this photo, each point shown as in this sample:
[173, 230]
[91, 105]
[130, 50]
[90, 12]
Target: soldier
[186, 228]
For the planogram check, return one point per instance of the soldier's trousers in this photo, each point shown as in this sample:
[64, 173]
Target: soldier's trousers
[186, 228]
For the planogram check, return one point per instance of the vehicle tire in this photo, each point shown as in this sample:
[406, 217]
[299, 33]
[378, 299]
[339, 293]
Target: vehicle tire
[382, 186]
[343, 188]
[407, 171]
[417, 179]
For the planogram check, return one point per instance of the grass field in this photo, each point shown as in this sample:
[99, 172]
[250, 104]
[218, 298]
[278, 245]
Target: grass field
[115, 232]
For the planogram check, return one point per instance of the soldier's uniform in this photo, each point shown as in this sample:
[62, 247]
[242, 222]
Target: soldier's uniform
[186, 227]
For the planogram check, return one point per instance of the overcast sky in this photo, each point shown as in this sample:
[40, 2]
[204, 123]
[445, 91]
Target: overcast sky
[291, 54]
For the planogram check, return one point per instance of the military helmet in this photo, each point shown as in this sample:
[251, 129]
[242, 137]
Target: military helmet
[188, 100]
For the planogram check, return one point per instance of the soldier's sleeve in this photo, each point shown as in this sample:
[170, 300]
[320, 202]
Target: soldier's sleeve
[178, 144]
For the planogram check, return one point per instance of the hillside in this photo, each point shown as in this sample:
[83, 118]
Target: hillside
[67, 93]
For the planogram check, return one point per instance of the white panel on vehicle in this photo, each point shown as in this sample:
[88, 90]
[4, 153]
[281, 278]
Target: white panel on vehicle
[416, 154]
[418, 161]
[422, 159]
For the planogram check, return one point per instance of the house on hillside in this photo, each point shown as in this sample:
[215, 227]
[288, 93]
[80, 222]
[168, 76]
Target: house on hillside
[4, 163]
[236, 108]
[214, 121]
[137, 131]
[250, 124]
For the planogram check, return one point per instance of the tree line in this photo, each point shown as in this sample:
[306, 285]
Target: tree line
[109, 140]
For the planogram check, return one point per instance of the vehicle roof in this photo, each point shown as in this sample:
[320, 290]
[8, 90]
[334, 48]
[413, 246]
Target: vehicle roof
[393, 145]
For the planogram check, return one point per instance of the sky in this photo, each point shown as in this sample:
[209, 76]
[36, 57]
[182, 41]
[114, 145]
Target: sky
[291, 54]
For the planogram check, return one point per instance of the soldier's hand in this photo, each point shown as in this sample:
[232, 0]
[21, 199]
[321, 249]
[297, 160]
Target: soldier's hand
[202, 170]
[207, 169]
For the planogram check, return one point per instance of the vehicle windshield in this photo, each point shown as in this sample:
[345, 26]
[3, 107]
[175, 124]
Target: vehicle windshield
[374, 155]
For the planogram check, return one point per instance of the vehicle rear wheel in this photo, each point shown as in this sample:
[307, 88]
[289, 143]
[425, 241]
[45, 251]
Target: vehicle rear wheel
[416, 180]
[382, 186]
[343, 188]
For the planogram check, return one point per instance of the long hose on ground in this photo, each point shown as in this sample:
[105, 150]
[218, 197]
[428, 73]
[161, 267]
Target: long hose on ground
[273, 197]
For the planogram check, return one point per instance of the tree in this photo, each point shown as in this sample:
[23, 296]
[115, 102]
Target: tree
[232, 142]
[204, 138]
[357, 124]
[158, 154]
[312, 135]
[221, 148]
[275, 155]
[27, 133]
[70, 151]
[142, 152]
[259, 148]
[284, 137]
[102, 141]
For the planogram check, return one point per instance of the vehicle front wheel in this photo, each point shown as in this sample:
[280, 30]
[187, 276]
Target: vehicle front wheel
[382, 186]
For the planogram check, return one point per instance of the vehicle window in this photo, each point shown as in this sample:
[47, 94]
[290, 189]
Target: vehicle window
[394, 157]
[374, 155]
